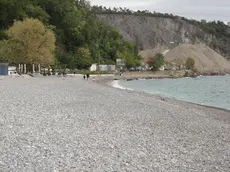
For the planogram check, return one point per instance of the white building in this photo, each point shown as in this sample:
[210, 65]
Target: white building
[111, 67]
[11, 70]
[120, 63]
[93, 67]
[107, 67]
[103, 67]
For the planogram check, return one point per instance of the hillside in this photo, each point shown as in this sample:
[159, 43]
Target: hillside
[153, 33]
[90, 34]
[81, 38]
[206, 59]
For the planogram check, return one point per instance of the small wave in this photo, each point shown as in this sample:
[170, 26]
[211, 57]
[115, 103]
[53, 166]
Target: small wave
[116, 84]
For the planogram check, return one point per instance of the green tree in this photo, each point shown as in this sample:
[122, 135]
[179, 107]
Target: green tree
[18, 10]
[159, 59]
[3, 34]
[4, 51]
[137, 62]
[30, 43]
[190, 63]
[156, 62]
[129, 60]
[84, 60]
[66, 58]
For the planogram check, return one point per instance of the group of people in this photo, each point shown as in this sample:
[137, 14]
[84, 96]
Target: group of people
[86, 77]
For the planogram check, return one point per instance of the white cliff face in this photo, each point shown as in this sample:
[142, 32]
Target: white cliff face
[154, 32]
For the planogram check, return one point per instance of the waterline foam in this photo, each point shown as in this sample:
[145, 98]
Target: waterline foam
[116, 84]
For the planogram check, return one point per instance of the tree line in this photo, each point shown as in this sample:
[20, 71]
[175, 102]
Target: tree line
[68, 31]
[104, 10]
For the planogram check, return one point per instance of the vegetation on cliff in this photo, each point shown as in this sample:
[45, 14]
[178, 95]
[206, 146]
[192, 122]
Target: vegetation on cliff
[81, 38]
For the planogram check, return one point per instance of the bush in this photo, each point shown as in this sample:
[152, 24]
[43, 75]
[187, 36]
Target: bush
[190, 63]
[156, 62]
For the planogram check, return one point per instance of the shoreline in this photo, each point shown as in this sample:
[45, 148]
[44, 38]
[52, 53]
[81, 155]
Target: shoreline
[107, 81]
[129, 76]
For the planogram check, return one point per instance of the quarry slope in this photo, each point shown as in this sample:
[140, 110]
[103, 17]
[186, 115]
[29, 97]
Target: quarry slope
[206, 59]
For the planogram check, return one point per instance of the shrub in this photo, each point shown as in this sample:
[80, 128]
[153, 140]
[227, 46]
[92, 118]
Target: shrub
[190, 63]
[156, 62]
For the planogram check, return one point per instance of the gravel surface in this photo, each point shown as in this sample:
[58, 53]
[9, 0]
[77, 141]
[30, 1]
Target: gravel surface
[67, 124]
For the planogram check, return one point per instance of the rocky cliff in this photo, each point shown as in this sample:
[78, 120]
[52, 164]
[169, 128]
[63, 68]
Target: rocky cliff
[158, 34]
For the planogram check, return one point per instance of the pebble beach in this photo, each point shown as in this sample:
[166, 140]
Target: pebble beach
[67, 124]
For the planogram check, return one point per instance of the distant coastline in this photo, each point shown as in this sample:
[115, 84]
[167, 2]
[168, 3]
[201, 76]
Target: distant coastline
[129, 76]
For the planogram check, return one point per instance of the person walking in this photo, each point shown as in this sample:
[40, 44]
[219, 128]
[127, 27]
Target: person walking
[87, 76]
[84, 76]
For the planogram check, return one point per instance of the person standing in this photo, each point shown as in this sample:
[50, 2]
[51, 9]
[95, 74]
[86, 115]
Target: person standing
[84, 76]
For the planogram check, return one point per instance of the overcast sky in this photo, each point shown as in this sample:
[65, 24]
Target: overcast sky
[196, 9]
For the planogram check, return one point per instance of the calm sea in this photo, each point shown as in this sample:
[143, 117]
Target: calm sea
[211, 90]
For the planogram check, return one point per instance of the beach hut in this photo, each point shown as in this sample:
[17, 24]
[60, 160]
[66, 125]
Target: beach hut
[3, 68]
[12, 70]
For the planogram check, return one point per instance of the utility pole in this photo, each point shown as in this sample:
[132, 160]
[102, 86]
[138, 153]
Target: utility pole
[99, 59]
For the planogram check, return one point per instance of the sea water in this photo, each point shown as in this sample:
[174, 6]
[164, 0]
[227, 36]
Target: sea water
[206, 90]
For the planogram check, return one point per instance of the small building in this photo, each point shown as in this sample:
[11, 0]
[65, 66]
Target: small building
[12, 70]
[111, 67]
[93, 67]
[103, 67]
[4, 68]
[107, 67]
[120, 64]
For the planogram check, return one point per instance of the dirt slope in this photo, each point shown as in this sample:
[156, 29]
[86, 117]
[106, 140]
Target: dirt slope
[205, 58]
[148, 53]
